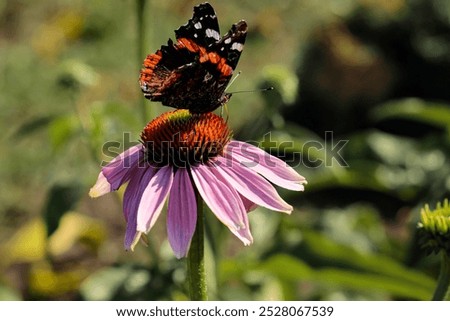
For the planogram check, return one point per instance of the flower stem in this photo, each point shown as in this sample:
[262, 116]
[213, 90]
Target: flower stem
[442, 289]
[140, 14]
[196, 258]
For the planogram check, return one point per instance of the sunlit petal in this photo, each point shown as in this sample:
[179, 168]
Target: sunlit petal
[252, 186]
[271, 167]
[131, 200]
[224, 202]
[181, 213]
[153, 198]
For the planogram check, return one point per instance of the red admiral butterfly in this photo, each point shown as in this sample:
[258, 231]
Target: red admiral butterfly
[194, 72]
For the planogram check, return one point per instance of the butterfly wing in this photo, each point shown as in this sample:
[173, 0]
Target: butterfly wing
[193, 72]
[202, 28]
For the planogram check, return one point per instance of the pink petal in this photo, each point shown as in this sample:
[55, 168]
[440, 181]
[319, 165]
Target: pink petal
[153, 198]
[117, 172]
[134, 190]
[101, 187]
[131, 199]
[251, 185]
[181, 213]
[224, 202]
[271, 167]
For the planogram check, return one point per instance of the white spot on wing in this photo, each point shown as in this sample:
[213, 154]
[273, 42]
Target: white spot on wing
[237, 46]
[198, 25]
[195, 35]
[228, 40]
[212, 34]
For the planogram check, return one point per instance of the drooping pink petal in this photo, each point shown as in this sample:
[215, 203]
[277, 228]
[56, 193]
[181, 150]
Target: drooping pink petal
[181, 213]
[153, 198]
[271, 167]
[117, 172]
[101, 187]
[131, 199]
[134, 190]
[251, 185]
[224, 202]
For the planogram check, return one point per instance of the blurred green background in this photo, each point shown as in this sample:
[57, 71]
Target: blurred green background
[375, 73]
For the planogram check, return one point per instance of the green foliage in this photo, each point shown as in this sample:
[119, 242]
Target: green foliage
[374, 74]
[60, 200]
[434, 114]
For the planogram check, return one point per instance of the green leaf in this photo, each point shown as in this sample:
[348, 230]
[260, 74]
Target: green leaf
[104, 284]
[372, 282]
[129, 282]
[362, 175]
[34, 125]
[62, 129]
[383, 279]
[341, 255]
[60, 199]
[295, 139]
[284, 81]
[75, 73]
[287, 268]
[415, 109]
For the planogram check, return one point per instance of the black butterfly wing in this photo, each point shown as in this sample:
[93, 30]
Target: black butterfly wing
[193, 73]
[203, 27]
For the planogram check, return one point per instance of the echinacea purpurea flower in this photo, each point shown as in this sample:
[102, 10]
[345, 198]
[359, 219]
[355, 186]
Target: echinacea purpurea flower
[181, 154]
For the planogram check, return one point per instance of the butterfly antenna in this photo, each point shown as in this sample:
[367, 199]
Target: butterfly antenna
[232, 80]
[252, 91]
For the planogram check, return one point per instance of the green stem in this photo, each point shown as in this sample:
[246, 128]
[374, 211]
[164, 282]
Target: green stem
[140, 14]
[141, 27]
[196, 258]
[442, 289]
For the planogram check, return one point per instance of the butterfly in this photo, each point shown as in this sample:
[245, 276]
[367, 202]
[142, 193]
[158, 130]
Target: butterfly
[193, 73]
